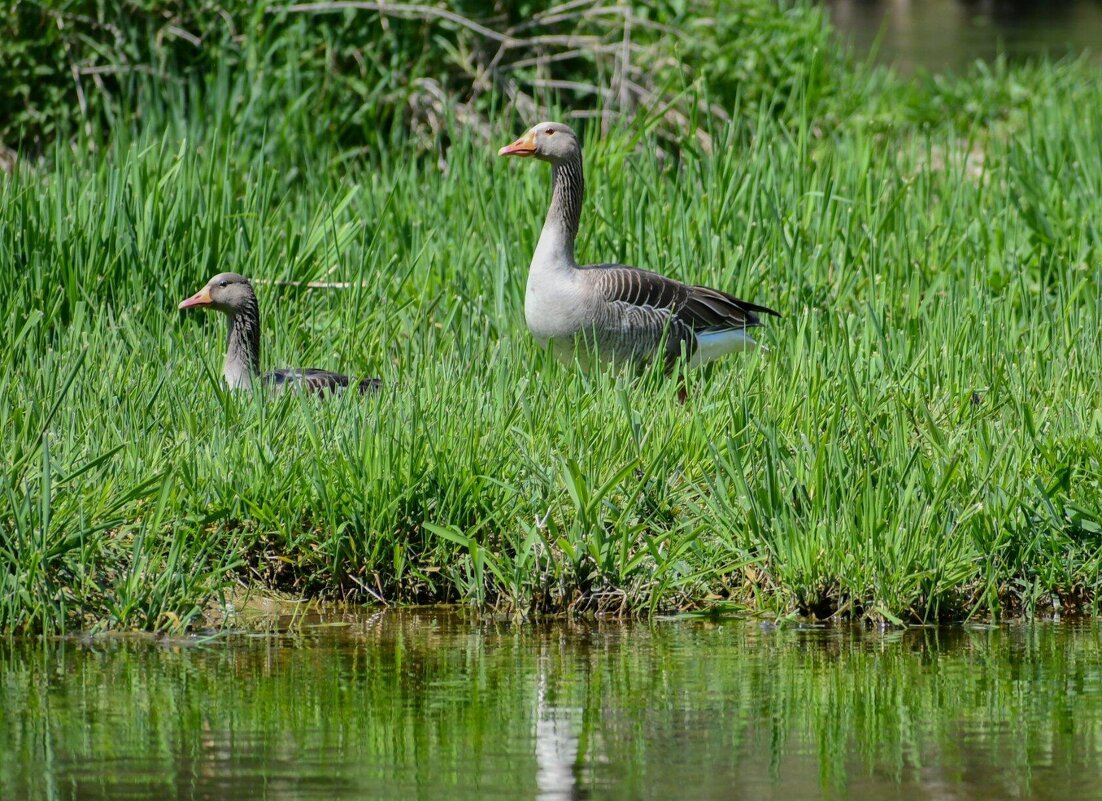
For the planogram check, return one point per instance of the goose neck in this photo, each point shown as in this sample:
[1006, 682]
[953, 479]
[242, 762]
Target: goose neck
[560, 229]
[243, 347]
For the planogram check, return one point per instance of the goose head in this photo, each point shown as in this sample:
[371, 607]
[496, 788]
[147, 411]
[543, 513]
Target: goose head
[547, 141]
[228, 293]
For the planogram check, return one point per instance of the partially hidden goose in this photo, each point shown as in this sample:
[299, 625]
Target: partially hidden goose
[623, 313]
[233, 295]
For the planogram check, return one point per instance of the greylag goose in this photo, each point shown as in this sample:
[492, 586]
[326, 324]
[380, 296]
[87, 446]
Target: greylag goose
[233, 295]
[623, 313]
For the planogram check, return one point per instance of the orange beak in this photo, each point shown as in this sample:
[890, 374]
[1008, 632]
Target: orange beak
[200, 298]
[523, 147]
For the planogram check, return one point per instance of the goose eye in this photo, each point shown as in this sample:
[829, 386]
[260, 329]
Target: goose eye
[223, 283]
[549, 133]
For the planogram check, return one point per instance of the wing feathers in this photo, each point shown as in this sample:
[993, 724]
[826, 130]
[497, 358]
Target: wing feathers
[314, 380]
[699, 308]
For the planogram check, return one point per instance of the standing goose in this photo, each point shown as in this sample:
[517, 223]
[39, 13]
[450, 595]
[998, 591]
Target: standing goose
[232, 294]
[625, 313]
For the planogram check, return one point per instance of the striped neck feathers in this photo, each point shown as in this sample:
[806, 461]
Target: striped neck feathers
[560, 229]
[243, 346]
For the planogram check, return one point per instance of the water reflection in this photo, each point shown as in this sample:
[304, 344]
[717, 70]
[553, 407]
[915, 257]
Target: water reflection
[556, 742]
[432, 705]
[941, 35]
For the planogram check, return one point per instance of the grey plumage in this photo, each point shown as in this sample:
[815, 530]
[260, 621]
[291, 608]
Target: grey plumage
[232, 295]
[648, 310]
[616, 311]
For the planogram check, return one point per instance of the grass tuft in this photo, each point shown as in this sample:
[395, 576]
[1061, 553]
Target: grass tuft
[921, 441]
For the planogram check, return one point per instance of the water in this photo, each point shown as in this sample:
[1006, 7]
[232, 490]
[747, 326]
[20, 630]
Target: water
[944, 35]
[431, 705]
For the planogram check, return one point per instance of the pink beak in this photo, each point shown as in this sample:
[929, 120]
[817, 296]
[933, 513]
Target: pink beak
[523, 147]
[200, 298]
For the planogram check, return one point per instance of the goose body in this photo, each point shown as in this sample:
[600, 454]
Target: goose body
[614, 312]
[232, 295]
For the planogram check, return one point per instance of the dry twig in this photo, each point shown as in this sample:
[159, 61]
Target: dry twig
[519, 63]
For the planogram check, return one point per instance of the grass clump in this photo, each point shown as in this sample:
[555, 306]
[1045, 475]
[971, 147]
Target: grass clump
[919, 443]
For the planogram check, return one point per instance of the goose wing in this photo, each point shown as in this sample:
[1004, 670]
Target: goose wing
[698, 308]
[320, 381]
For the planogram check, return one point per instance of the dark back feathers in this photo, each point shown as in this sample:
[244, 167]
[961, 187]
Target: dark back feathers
[319, 381]
[697, 307]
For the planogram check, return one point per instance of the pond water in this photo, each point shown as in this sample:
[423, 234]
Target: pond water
[434, 705]
[942, 35]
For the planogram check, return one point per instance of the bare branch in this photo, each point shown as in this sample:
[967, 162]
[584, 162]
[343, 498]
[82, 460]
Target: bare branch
[563, 8]
[122, 69]
[414, 10]
[187, 36]
[562, 40]
[314, 284]
[596, 31]
[624, 66]
[565, 55]
[418, 11]
[572, 86]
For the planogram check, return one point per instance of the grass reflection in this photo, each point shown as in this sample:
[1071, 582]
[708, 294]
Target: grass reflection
[430, 705]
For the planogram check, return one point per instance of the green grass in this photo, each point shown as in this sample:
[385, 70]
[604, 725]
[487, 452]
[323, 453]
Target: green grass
[350, 80]
[921, 442]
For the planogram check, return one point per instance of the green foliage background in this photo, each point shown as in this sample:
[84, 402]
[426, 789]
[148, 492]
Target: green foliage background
[351, 79]
[921, 442]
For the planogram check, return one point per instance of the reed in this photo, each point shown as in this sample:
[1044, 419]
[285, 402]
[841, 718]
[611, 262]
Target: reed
[922, 440]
